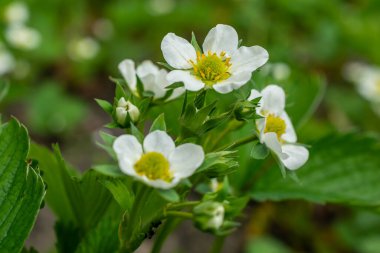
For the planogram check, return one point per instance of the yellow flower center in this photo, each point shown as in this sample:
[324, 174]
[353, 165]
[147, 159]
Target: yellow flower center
[378, 86]
[154, 166]
[211, 68]
[275, 124]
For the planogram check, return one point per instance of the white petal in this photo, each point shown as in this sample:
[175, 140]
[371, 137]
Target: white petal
[177, 51]
[191, 82]
[248, 59]
[273, 100]
[159, 141]
[127, 70]
[297, 156]
[233, 83]
[290, 133]
[128, 151]
[150, 84]
[160, 183]
[271, 141]
[254, 94]
[185, 159]
[176, 93]
[221, 38]
[145, 68]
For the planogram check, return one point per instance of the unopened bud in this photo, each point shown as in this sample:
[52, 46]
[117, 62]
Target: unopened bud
[125, 108]
[209, 216]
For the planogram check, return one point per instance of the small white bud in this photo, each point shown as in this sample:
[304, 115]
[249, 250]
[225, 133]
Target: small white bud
[209, 216]
[125, 108]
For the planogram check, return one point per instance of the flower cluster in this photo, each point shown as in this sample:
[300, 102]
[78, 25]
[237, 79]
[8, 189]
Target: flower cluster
[195, 157]
[220, 65]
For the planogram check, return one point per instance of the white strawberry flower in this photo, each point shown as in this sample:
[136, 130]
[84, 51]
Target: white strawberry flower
[152, 78]
[366, 79]
[157, 162]
[223, 65]
[276, 129]
[125, 108]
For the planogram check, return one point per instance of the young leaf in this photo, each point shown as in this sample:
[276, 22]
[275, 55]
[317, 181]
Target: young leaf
[195, 43]
[200, 98]
[169, 195]
[22, 188]
[105, 105]
[4, 88]
[158, 123]
[259, 151]
[135, 132]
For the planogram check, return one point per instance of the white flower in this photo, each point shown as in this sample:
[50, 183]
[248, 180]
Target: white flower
[23, 37]
[7, 62]
[222, 66]
[367, 80]
[209, 215]
[279, 70]
[16, 13]
[157, 162]
[125, 108]
[85, 48]
[276, 129]
[152, 78]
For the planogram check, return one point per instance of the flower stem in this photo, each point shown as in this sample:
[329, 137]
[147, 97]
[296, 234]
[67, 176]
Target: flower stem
[217, 246]
[240, 142]
[184, 204]
[179, 214]
[163, 233]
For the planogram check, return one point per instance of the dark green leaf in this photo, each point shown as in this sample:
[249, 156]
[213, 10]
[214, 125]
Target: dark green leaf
[341, 169]
[22, 188]
[200, 98]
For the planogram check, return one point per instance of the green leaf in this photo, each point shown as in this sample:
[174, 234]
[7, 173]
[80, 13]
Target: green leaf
[76, 199]
[195, 43]
[259, 151]
[108, 170]
[200, 98]
[4, 88]
[103, 238]
[120, 189]
[218, 163]
[105, 105]
[21, 188]
[169, 195]
[158, 123]
[341, 169]
[165, 65]
[135, 132]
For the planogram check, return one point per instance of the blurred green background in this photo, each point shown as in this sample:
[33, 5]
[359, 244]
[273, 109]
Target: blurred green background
[63, 53]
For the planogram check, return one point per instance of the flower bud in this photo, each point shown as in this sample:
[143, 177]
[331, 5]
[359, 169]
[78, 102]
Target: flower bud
[125, 108]
[209, 216]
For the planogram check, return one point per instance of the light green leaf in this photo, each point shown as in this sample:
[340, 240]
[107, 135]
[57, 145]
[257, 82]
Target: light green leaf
[21, 188]
[341, 169]
[169, 195]
[259, 151]
[120, 190]
[4, 88]
[105, 105]
[158, 123]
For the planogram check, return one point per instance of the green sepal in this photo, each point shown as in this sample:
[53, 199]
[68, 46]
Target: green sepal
[259, 151]
[158, 123]
[170, 195]
[194, 43]
[105, 105]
